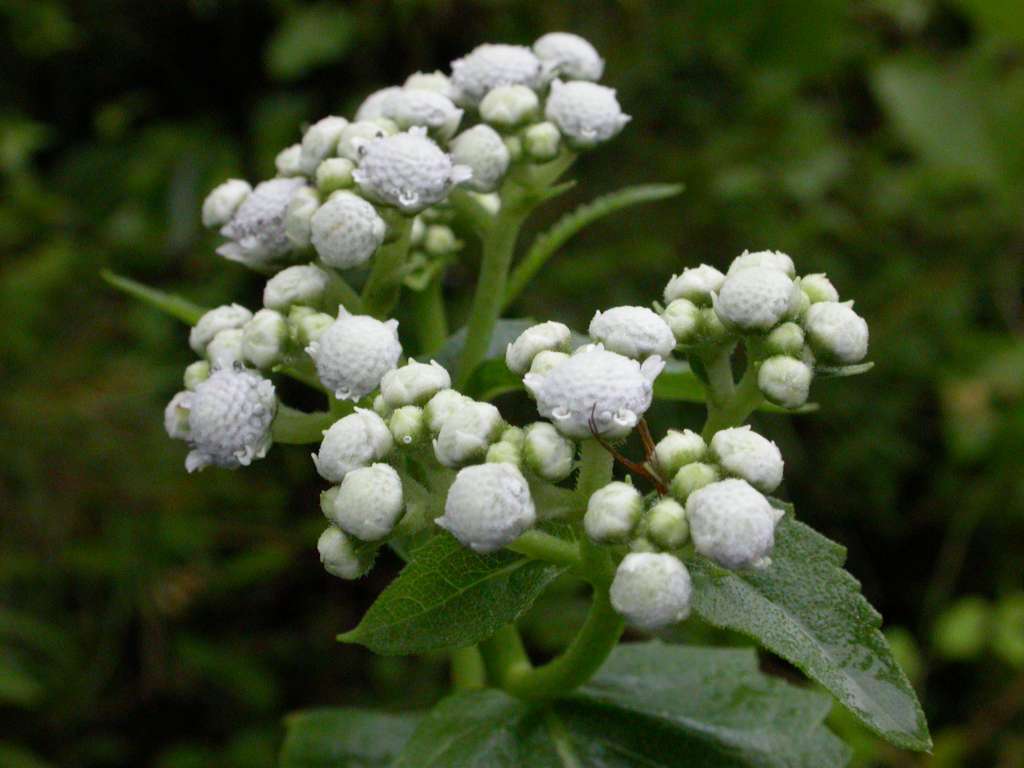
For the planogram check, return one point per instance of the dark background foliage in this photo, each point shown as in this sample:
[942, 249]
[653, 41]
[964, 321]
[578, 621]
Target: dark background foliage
[155, 619]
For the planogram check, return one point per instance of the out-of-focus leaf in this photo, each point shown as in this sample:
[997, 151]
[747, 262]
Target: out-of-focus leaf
[841, 371]
[310, 37]
[963, 630]
[345, 738]
[18, 687]
[168, 303]
[505, 332]
[1000, 18]
[295, 427]
[15, 756]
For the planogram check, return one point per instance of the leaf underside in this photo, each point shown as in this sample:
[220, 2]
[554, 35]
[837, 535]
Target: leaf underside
[171, 304]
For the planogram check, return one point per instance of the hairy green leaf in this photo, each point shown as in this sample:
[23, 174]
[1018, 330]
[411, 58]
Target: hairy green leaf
[168, 303]
[448, 597]
[548, 243]
[652, 705]
[345, 738]
[810, 611]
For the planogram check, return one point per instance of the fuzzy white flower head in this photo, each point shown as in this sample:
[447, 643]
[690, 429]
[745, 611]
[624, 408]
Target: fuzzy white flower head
[481, 149]
[220, 205]
[340, 556]
[298, 218]
[320, 142]
[409, 107]
[595, 386]
[288, 161]
[176, 416]
[785, 381]
[547, 453]
[302, 284]
[229, 419]
[213, 322]
[755, 299]
[441, 407]
[354, 353]
[373, 105]
[369, 502]
[613, 512]
[346, 230]
[549, 336]
[488, 506]
[676, 449]
[352, 442]
[695, 284]
[257, 231]
[651, 590]
[414, 383]
[437, 82]
[467, 433]
[586, 113]
[546, 360]
[488, 66]
[356, 135]
[666, 524]
[732, 523]
[770, 259]
[408, 171]
[264, 338]
[633, 331]
[836, 332]
[743, 453]
[508, 106]
[570, 56]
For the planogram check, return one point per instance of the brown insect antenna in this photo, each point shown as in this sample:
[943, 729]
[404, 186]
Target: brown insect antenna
[632, 466]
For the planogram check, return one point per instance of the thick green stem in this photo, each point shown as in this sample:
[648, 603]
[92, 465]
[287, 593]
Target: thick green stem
[295, 427]
[731, 406]
[543, 546]
[380, 294]
[595, 471]
[468, 671]
[432, 322]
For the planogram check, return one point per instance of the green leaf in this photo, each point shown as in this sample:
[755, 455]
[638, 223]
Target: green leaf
[345, 738]
[295, 427]
[808, 610]
[505, 332]
[309, 37]
[652, 706]
[449, 597]
[491, 379]
[168, 303]
[548, 243]
[841, 371]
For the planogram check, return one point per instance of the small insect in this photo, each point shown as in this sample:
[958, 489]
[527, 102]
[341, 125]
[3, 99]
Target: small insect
[647, 470]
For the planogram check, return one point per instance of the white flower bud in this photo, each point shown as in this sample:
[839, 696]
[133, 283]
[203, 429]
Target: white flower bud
[787, 339]
[695, 284]
[441, 407]
[372, 105]
[676, 449]
[651, 591]
[288, 161]
[307, 325]
[691, 477]
[613, 512]
[298, 217]
[731, 523]
[357, 135]
[414, 383]
[488, 506]
[509, 105]
[213, 322]
[836, 333]
[549, 336]
[666, 524]
[340, 556]
[712, 331]
[742, 452]
[467, 433]
[302, 284]
[818, 287]
[369, 502]
[595, 387]
[756, 298]
[408, 171]
[569, 56]
[333, 174]
[437, 82]
[347, 230]
[220, 205]
[481, 150]
[225, 349]
[546, 360]
[683, 318]
[257, 229]
[585, 113]
[354, 353]
[352, 442]
[407, 425]
[434, 111]
[264, 338]
[547, 453]
[633, 331]
[542, 141]
[769, 259]
[320, 142]
[229, 420]
[196, 373]
[488, 66]
[176, 416]
[785, 381]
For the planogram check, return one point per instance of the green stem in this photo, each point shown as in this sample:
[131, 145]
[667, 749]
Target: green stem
[468, 671]
[595, 471]
[295, 427]
[432, 322]
[380, 294]
[543, 546]
[742, 400]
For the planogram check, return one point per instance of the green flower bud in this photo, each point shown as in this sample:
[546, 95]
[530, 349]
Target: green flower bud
[340, 555]
[289, 161]
[308, 325]
[505, 453]
[712, 330]
[548, 454]
[381, 408]
[298, 215]
[333, 174]
[613, 512]
[785, 381]
[226, 348]
[264, 338]
[684, 318]
[818, 288]
[407, 425]
[509, 105]
[666, 524]
[692, 477]
[514, 145]
[677, 449]
[514, 436]
[196, 373]
[787, 339]
[439, 240]
[542, 142]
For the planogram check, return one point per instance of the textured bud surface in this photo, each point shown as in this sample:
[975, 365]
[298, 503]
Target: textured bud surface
[548, 336]
[354, 353]
[836, 332]
[229, 420]
[755, 298]
[785, 381]
[298, 217]
[407, 425]
[787, 339]
[339, 555]
[683, 318]
[352, 442]
[301, 284]
[769, 259]
[437, 82]
[731, 523]
[467, 433]
[542, 141]
[633, 331]
[220, 205]
[818, 288]
[569, 56]
[676, 449]
[742, 452]
[333, 174]
[546, 360]
[586, 113]
[320, 142]
[613, 512]
[409, 107]
[288, 161]
[369, 502]
[695, 284]
[441, 407]
[666, 524]
[488, 66]
[257, 229]
[548, 454]
[509, 105]
[264, 337]
[357, 135]
[373, 105]
[196, 373]
[691, 477]
[346, 230]
[414, 383]
[176, 416]
[482, 151]
[213, 322]
[488, 506]
[651, 591]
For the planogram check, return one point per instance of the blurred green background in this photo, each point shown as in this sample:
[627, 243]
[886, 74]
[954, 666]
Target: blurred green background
[151, 618]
